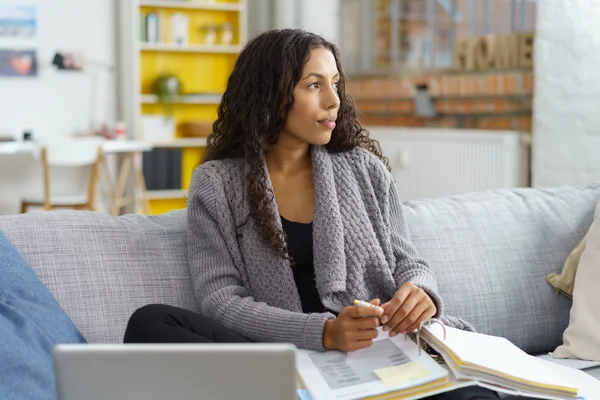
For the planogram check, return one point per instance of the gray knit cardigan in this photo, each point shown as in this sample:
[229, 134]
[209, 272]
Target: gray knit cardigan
[360, 242]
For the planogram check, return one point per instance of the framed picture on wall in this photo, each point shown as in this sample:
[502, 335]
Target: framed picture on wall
[18, 63]
[18, 21]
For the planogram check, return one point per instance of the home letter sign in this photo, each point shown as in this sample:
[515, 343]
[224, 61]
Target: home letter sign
[494, 52]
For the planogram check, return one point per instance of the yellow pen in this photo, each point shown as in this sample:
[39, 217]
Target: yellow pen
[362, 303]
[365, 304]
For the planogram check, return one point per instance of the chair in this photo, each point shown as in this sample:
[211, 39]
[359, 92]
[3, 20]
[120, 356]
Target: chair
[67, 154]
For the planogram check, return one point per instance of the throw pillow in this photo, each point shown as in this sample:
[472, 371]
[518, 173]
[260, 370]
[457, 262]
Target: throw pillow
[564, 281]
[581, 339]
[31, 324]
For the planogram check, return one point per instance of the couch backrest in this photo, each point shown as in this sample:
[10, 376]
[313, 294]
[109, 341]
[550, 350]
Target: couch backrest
[492, 251]
[101, 268]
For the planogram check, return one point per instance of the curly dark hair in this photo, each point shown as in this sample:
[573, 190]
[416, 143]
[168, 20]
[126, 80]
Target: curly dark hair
[254, 108]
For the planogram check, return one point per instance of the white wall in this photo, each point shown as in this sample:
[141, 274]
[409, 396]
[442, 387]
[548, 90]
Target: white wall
[566, 139]
[58, 104]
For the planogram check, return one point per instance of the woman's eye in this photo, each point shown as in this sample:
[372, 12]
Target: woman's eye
[336, 85]
[314, 85]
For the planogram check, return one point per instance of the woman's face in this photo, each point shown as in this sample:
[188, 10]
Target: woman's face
[312, 117]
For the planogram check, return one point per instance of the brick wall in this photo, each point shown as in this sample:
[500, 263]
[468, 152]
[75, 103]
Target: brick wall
[491, 100]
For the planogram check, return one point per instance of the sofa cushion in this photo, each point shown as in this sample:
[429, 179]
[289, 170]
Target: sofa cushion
[101, 268]
[491, 252]
[31, 323]
[565, 280]
[582, 337]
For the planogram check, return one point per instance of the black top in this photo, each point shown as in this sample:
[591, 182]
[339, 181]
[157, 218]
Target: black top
[299, 243]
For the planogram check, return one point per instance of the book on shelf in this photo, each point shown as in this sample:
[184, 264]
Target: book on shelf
[436, 359]
[162, 169]
[161, 27]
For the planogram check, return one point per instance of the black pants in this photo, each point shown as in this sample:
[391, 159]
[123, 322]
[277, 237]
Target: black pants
[159, 323]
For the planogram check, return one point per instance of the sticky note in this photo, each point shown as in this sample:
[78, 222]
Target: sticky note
[402, 374]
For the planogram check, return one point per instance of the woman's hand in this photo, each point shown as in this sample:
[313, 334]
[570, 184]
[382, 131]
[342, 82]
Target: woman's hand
[353, 329]
[407, 309]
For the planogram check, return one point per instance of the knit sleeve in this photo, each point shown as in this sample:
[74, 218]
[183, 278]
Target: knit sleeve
[218, 283]
[410, 267]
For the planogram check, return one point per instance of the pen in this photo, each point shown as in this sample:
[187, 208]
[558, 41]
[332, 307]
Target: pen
[362, 303]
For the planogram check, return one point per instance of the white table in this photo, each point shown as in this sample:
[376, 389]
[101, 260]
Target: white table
[16, 148]
[108, 146]
[131, 162]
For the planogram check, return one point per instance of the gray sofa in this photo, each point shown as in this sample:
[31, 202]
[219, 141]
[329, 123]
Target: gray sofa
[490, 251]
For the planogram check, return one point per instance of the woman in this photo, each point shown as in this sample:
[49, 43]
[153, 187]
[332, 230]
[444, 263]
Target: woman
[294, 215]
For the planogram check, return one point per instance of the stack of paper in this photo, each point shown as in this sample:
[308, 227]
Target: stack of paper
[496, 363]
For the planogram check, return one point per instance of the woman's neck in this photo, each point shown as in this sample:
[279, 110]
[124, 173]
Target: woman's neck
[288, 158]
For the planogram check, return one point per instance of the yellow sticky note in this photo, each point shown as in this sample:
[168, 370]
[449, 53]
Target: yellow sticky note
[402, 374]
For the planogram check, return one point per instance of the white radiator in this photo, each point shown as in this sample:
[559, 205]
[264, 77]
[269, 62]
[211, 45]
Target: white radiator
[429, 162]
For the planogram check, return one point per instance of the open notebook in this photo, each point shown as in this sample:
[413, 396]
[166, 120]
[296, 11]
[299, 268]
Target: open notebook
[396, 368]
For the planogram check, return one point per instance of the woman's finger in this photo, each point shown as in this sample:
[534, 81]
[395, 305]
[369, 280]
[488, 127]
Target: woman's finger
[365, 334]
[403, 311]
[366, 323]
[430, 312]
[412, 318]
[392, 306]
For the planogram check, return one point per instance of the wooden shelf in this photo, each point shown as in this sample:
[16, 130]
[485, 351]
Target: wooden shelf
[191, 48]
[193, 5]
[165, 194]
[178, 143]
[141, 61]
[190, 99]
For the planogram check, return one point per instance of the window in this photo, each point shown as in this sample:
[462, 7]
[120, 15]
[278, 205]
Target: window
[382, 36]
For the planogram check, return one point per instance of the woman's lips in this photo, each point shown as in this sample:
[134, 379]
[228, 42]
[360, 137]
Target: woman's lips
[329, 124]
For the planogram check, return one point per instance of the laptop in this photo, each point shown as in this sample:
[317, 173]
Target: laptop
[236, 371]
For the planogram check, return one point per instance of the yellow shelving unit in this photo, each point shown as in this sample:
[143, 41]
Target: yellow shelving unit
[202, 69]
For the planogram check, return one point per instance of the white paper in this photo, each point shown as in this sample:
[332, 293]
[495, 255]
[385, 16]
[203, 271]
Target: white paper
[497, 354]
[338, 375]
[589, 387]
[570, 362]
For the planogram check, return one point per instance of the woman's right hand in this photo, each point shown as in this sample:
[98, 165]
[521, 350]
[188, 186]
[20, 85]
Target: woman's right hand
[353, 329]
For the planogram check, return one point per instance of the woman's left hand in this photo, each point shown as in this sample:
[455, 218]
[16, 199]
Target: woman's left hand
[407, 309]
